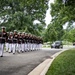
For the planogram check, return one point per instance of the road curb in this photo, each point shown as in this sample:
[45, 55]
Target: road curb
[44, 66]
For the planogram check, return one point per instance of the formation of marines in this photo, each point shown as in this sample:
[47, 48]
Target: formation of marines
[18, 42]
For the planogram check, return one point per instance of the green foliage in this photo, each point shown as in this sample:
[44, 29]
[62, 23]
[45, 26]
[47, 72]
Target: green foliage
[54, 31]
[36, 9]
[20, 14]
[69, 2]
[61, 13]
[69, 35]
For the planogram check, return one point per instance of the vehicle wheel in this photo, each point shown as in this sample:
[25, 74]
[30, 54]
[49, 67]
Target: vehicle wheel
[61, 47]
[56, 47]
[51, 47]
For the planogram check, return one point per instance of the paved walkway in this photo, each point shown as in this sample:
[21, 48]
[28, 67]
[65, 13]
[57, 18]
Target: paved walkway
[22, 64]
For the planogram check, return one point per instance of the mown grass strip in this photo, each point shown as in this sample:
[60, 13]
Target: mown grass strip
[64, 64]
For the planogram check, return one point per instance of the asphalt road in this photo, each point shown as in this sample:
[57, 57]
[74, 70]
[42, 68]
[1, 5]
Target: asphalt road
[22, 64]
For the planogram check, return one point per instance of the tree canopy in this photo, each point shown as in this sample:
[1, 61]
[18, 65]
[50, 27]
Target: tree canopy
[20, 14]
[63, 11]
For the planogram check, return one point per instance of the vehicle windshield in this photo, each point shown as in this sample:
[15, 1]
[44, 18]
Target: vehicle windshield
[57, 42]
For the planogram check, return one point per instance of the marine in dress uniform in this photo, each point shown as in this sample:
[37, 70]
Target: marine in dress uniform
[25, 37]
[10, 41]
[23, 42]
[29, 39]
[3, 38]
[7, 44]
[32, 42]
[15, 41]
[36, 43]
[19, 42]
[40, 43]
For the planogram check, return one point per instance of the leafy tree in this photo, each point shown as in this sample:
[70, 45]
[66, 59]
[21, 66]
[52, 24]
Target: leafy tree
[36, 9]
[20, 14]
[62, 11]
[54, 32]
[69, 35]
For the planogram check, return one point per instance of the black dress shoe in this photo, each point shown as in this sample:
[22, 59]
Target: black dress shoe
[9, 52]
[13, 53]
[1, 56]
[19, 52]
[22, 51]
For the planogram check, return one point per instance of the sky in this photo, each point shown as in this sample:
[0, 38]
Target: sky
[48, 16]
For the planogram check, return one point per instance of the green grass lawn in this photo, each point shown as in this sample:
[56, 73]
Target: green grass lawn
[64, 64]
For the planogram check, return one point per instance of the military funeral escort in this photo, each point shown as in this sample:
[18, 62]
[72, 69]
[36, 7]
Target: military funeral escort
[19, 42]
